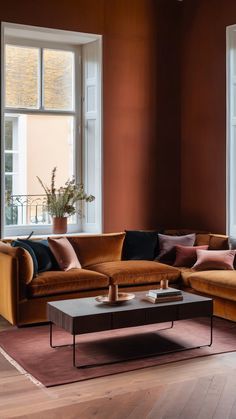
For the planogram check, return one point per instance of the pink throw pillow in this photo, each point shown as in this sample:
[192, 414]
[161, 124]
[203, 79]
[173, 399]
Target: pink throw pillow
[214, 259]
[168, 243]
[64, 253]
[187, 255]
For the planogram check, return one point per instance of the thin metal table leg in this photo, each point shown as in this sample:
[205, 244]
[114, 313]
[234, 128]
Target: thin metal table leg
[50, 335]
[211, 332]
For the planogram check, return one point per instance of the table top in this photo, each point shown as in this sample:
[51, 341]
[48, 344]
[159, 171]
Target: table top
[81, 307]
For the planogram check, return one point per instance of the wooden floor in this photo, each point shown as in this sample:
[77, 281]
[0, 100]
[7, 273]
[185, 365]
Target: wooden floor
[202, 388]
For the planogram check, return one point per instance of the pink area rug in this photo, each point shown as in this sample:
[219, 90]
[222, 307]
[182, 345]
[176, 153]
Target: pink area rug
[30, 348]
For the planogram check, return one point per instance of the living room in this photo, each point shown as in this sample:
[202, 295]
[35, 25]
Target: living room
[164, 165]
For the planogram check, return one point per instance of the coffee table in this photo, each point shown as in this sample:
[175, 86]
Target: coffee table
[85, 315]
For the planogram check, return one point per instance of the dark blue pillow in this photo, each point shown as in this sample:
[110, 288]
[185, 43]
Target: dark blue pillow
[19, 243]
[45, 259]
[140, 245]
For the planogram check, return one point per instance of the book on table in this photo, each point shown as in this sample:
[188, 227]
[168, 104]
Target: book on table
[167, 299]
[161, 292]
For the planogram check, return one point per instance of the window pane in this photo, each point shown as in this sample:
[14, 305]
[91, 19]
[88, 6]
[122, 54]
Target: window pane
[58, 68]
[8, 135]
[8, 183]
[22, 77]
[8, 162]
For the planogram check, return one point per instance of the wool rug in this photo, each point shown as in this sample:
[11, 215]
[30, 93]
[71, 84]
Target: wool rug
[116, 351]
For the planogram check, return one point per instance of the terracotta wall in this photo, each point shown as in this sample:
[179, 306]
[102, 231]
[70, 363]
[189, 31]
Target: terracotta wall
[203, 102]
[141, 162]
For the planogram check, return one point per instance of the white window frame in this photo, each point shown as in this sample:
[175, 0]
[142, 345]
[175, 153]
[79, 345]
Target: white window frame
[67, 40]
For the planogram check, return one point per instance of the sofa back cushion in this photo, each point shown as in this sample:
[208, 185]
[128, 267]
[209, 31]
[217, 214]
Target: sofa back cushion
[91, 250]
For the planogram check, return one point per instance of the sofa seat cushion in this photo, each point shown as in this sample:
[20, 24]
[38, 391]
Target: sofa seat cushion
[58, 282]
[215, 283]
[130, 272]
[185, 275]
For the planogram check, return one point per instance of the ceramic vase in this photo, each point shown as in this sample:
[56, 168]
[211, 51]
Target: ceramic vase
[59, 225]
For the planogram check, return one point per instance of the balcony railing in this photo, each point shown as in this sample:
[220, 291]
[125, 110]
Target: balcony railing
[26, 209]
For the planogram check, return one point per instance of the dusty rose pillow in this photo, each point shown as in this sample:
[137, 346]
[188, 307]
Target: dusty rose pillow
[214, 259]
[64, 253]
[167, 246]
[187, 255]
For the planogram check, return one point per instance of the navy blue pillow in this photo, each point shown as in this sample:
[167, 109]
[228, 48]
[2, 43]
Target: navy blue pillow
[140, 245]
[44, 256]
[19, 243]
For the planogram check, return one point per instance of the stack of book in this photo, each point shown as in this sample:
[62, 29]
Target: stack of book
[164, 295]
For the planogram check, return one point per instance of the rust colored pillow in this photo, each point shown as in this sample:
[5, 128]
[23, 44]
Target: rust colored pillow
[64, 253]
[214, 259]
[187, 255]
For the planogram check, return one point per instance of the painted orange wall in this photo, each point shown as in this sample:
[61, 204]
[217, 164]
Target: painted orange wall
[203, 103]
[141, 143]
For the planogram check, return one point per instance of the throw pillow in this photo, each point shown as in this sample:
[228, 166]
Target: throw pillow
[187, 255]
[167, 246]
[64, 253]
[139, 245]
[214, 259]
[45, 258]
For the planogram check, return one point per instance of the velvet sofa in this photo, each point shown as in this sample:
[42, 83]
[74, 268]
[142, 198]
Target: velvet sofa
[24, 296]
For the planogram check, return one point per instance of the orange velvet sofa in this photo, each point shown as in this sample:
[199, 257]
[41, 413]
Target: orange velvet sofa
[23, 298]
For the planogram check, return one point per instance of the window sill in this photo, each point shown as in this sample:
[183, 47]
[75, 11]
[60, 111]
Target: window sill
[45, 236]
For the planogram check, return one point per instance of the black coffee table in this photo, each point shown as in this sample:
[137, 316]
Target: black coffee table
[86, 315]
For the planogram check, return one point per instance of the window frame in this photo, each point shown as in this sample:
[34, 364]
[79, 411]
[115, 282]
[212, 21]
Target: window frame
[76, 113]
[51, 37]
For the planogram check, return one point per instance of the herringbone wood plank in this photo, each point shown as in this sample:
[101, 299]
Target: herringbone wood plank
[198, 388]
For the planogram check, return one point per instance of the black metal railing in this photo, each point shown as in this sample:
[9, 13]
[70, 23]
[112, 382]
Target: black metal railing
[26, 209]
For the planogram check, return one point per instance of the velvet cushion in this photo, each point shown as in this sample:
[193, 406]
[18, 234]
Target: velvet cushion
[167, 246]
[97, 249]
[187, 255]
[215, 283]
[218, 242]
[130, 272]
[25, 261]
[140, 245]
[58, 282]
[45, 258]
[64, 253]
[18, 243]
[214, 259]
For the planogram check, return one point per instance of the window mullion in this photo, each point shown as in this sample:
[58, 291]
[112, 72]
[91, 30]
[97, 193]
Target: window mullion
[41, 101]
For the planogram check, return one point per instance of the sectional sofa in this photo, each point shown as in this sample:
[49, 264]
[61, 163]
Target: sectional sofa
[106, 259]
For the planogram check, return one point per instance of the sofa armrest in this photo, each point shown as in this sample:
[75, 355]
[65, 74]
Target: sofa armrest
[9, 287]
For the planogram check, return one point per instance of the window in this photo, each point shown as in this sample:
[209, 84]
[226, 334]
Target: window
[52, 113]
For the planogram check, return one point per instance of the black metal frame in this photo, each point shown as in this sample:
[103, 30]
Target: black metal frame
[73, 344]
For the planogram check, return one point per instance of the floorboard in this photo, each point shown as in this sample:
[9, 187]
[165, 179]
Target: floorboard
[201, 388]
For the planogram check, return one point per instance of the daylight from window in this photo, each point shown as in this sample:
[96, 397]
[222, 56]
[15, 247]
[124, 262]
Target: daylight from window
[37, 79]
